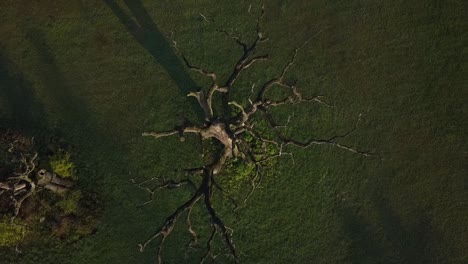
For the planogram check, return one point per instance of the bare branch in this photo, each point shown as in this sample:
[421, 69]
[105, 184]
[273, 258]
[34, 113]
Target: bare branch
[255, 182]
[295, 98]
[216, 221]
[233, 136]
[194, 239]
[200, 70]
[236, 39]
[180, 130]
[332, 141]
[209, 252]
[204, 17]
[244, 61]
[327, 142]
[169, 224]
[279, 80]
[165, 184]
[255, 59]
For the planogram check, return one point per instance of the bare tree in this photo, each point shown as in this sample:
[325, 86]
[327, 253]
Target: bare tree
[25, 178]
[228, 130]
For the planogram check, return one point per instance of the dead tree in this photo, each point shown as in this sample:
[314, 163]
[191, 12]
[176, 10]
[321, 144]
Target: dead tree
[228, 131]
[27, 180]
[20, 177]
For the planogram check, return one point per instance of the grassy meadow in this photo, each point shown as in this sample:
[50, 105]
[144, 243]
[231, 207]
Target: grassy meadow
[100, 72]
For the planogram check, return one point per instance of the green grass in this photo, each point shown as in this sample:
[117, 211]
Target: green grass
[73, 68]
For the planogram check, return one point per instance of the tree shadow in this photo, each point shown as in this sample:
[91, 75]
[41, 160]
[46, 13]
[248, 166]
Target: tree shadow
[389, 239]
[143, 29]
[70, 107]
[101, 151]
[365, 248]
[69, 114]
[21, 105]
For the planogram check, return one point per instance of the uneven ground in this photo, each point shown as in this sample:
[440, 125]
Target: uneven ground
[99, 73]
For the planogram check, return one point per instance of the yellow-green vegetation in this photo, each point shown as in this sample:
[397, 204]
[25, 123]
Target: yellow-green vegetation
[10, 234]
[240, 175]
[80, 66]
[62, 164]
[237, 175]
[70, 204]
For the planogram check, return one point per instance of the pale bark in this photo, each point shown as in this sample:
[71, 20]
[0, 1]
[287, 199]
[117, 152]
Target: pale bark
[227, 131]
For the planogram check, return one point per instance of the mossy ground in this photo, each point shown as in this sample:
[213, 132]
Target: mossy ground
[84, 70]
[10, 235]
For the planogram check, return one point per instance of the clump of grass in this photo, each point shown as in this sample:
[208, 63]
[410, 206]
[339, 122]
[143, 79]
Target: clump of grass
[71, 203]
[10, 234]
[62, 164]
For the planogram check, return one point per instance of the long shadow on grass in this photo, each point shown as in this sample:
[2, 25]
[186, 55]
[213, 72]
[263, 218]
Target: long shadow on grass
[365, 248]
[147, 34]
[68, 105]
[409, 241]
[76, 121]
[388, 240]
[22, 107]
[102, 157]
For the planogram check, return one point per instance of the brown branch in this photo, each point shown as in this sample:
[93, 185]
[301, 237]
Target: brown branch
[44, 177]
[331, 141]
[327, 142]
[279, 79]
[215, 220]
[235, 38]
[250, 62]
[169, 184]
[244, 62]
[295, 98]
[22, 179]
[204, 190]
[180, 130]
[204, 103]
[254, 182]
[194, 239]
[13, 187]
[204, 72]
[205, 100]
[259, 17]
[56, 188]
[209, 252]
[19, 202]
[169, 224]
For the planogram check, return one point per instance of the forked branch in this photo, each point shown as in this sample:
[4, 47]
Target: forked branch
[235, 136]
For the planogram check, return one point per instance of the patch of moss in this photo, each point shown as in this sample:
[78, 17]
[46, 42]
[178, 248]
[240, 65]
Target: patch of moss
[62, 164]
[10, 234]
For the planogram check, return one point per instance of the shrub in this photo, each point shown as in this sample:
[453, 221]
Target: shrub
[62, 164]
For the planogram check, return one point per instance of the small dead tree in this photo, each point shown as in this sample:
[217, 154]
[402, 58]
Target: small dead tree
[228, 130]
[23, 179]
